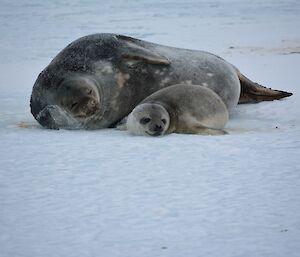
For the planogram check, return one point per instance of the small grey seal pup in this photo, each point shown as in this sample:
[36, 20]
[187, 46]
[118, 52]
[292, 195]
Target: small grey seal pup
[97, 80]
[189, 109]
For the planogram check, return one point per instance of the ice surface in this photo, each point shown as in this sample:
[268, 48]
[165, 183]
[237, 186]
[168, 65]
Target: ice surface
[107, 193]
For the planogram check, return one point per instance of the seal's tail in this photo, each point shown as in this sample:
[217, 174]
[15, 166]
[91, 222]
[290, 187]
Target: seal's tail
[252, 92]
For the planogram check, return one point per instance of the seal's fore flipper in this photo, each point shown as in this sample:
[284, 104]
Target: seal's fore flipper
[252, 92]
[207, 131]
[199, 129]
[121, 125]
[133, 51]
[54, 117]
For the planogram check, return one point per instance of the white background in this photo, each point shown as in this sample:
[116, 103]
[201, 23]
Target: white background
[107, 193]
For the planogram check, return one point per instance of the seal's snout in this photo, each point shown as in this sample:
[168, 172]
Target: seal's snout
[94, 106]
[156, 130]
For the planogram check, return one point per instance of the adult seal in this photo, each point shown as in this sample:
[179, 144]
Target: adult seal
[97, 80]
[189, 109]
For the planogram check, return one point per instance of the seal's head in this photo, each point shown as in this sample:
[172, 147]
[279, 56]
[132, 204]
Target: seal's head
[148, 119]
[79, 96]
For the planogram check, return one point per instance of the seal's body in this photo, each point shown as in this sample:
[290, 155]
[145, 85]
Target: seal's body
[190, 109]
[114, 73]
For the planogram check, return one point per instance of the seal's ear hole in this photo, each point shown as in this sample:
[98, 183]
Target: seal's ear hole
[89, 91]
[144, 120]
[164, 121]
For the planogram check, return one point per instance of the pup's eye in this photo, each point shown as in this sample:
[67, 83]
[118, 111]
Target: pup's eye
[145, 120]
[164, 121]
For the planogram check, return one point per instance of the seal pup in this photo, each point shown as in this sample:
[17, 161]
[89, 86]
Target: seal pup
[120, 72]
[189, 109]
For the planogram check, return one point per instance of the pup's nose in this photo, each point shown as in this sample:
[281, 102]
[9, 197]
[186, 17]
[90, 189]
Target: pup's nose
[158, 128]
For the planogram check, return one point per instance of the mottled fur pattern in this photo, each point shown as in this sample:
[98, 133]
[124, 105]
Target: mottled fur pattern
[122, 71]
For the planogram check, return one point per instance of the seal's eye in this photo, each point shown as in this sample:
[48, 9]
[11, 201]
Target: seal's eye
[164, 121]
[74, 105]
[144, 120]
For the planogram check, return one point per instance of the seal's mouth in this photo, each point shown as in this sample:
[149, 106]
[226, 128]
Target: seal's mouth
[155, 134]
[81, 116]
[88, 115]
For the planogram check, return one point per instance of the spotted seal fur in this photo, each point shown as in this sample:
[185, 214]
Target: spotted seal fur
[98, 79]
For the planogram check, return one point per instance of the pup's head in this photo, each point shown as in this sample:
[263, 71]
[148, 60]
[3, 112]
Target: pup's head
[148, 119]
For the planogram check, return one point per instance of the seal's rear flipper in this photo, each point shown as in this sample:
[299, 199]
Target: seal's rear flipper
[54, 117]
[252, 92]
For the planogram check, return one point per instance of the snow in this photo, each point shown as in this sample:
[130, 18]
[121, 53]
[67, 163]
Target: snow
[108, 193]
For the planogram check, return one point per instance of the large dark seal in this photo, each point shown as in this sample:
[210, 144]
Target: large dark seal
[97, 80]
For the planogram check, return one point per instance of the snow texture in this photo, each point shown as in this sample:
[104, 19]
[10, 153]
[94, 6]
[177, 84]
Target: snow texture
[108, 193]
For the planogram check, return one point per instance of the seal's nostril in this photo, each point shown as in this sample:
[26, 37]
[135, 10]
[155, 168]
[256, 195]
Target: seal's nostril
[158, 128]
[94, 105]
